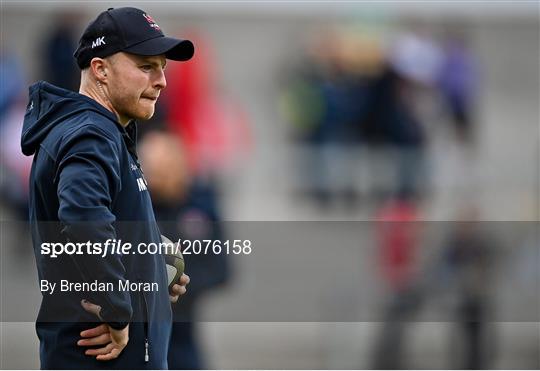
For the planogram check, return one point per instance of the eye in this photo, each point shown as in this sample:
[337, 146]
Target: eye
[146, 68]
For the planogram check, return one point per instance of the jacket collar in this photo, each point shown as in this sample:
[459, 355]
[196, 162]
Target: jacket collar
[129, 132]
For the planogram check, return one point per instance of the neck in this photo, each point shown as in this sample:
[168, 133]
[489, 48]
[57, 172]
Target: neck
[97, 94]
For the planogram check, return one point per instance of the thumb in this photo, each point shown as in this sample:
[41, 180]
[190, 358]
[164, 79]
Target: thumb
[91, 308]
[120, 336]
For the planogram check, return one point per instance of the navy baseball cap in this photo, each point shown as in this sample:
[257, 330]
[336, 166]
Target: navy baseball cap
[129, 30]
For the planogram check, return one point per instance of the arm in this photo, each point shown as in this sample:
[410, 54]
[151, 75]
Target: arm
[88, 178]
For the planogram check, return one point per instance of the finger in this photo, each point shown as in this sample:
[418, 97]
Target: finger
[100, 351]
[114, 353]
[184, 279]
[178, 290]
[174, 298]
[98, 340]
[96, 331]
[91, 307]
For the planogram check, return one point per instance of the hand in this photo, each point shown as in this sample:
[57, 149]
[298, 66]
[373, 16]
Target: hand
[179, 288]
[114, 341]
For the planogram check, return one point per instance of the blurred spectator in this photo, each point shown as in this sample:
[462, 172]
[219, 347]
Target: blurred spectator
[413, 66]
[13, 80]
[350, 95]
[303, 104]
[396, 127]
[458, 83]
[326, 102]
[187, 211]
[213, 130]
[214, 135]
[337, 132]
[59, 66]
[468, 261]
[14, 166]
[398, 238]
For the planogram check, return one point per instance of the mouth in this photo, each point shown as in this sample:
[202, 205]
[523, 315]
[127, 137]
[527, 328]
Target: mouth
[153, 99]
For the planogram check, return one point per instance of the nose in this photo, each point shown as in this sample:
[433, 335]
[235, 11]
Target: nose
[160, 81]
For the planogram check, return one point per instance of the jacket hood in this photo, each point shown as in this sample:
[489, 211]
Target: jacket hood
[49, 105]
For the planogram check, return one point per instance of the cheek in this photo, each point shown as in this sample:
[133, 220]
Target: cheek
[126, 91]
[129, 84]
[124, 94]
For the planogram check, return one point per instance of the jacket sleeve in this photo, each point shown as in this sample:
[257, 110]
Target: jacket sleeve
[88, 179]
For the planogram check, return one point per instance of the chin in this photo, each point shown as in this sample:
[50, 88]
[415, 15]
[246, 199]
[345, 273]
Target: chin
[144, 115]
[148, 116]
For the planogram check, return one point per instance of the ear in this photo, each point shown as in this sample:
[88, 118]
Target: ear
[99, 69]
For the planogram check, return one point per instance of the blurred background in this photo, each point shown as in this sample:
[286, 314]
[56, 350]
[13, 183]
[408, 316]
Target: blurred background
[394, 145]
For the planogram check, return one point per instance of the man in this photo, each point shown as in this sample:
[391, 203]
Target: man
[87, 184]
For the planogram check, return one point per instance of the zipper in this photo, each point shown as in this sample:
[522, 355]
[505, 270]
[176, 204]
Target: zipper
[146, 356]
[139, 166]
[146, 342]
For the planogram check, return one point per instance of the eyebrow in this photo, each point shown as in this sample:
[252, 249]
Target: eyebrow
[153, 63]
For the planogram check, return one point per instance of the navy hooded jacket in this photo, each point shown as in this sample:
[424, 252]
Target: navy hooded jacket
[86, 184]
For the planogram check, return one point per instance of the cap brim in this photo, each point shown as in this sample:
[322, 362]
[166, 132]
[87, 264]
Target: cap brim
[175, 49]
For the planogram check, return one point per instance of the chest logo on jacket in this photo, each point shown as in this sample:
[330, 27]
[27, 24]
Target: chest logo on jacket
[141, 182]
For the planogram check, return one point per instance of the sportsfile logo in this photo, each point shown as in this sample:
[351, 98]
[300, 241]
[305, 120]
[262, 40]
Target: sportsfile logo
[98, 42]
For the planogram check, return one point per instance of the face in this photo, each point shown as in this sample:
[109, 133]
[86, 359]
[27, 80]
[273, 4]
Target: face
[134, 83]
